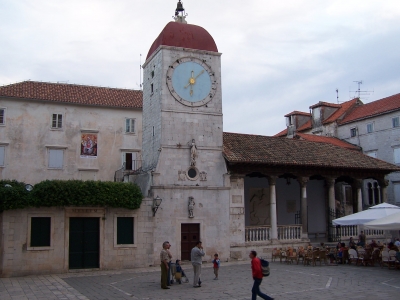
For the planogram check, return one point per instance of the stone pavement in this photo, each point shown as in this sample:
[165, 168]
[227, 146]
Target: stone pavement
[285, 282]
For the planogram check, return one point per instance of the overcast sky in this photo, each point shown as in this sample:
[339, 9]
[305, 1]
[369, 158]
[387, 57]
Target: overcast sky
[278, 56]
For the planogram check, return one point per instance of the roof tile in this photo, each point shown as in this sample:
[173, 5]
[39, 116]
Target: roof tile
[72, 93]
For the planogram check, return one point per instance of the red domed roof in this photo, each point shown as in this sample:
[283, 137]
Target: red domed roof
[184, 35]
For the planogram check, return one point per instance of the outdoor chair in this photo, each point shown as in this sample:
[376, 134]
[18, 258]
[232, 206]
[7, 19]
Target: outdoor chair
[353, 256]
[364, 257]
[392, 258]
[308, 257]
[291, 256]
[376, 256]
[276, 253]
[385, 258]
[301, 254]
[283, 255]
[323, 256]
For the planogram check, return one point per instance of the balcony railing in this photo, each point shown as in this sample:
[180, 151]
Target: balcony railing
[263, 233]
[131, 168]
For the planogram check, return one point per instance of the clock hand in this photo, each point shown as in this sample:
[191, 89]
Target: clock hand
[199, 74]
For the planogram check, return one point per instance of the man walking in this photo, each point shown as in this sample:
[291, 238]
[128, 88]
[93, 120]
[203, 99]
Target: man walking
[164, 265]
[257, 276]
[196, 258]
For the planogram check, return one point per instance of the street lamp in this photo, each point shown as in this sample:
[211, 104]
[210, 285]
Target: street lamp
[28, 187]
[156, 203]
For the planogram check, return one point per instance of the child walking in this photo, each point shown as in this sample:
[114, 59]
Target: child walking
[217, 264]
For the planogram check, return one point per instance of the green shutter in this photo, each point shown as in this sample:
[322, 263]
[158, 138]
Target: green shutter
[40, 231]
[124, 230]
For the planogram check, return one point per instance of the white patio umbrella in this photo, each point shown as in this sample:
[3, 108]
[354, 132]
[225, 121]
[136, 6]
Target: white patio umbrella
[371, 214]
[391, 222]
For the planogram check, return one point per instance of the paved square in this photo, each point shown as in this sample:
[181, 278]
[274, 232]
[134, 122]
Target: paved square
[285, 282]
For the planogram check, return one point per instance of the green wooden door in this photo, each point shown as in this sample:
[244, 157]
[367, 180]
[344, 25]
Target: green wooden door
[84, 243]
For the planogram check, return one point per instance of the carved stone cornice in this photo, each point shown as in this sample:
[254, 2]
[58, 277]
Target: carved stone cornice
[272, 180]
[330, 181]
[303, 181]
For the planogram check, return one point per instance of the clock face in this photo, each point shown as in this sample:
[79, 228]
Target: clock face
[191, 81]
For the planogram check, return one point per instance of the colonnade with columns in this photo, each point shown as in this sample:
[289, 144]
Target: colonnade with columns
[330, 182]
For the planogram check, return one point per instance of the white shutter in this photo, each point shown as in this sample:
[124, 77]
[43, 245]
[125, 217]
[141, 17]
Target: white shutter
[56, 158]
[396, 153]
[2, 155]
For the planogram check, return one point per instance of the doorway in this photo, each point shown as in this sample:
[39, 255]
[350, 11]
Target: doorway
[190, 235]
[84, 243]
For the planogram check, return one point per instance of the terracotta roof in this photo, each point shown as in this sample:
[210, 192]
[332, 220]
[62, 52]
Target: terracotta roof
[275, 151]
[283, 133]
[322, 103]
[330, 140]
[184, 35]
[305, 126]
[296, 112]
[375, 108]
[344, 108]
[72, 93]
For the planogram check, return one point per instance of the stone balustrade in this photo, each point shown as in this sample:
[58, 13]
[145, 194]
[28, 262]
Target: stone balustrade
[263, 233]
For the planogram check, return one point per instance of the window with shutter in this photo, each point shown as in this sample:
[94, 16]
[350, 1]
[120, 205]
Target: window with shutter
[125, 231]
[56, 158]
[2, 116]
[40, 231]
[2, 155]
[396, 154]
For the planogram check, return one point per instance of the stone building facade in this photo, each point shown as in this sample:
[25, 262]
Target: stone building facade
[234, 192]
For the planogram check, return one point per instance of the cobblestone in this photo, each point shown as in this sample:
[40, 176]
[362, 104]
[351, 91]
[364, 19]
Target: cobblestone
[235, 282]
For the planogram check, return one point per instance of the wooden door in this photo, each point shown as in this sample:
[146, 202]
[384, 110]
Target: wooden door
[84, 243]
[190, 235]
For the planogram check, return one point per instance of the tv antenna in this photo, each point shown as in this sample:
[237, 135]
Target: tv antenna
[140, 74]
[359, 92]
[337, 96]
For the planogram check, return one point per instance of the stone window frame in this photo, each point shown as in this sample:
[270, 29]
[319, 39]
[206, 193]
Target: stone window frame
[28, 236]
[59, 124]
[4, 145]
[395, 122]
[132, 123]
[3, 116]
[135, 227]
[353, 132]
[197, 175]
[370, 127]
[51, 147]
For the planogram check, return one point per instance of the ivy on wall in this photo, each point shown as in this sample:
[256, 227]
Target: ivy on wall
[69, 193]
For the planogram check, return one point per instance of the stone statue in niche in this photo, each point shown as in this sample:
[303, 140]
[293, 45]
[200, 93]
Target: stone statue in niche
[191, 207]
[203, 176]
[181, 175]
[193, 153]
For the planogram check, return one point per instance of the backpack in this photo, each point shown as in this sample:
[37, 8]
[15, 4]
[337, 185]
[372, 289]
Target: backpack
[264, 267]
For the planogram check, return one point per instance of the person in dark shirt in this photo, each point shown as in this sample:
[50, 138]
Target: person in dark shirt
[257, 276]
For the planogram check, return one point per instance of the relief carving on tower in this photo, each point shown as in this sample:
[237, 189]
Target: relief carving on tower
[181, 175]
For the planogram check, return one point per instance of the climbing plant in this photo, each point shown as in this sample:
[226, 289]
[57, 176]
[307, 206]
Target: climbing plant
[13, 194]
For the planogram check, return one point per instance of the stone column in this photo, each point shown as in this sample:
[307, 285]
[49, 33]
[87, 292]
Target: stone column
[272, 199]
[384, 185]
[304, 214]
[331, 193]
[358, 183]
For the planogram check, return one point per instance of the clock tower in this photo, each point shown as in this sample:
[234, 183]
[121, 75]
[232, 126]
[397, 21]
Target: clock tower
[182, 139]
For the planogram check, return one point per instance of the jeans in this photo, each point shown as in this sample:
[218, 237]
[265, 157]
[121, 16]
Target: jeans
[197, 274]
[256, 290]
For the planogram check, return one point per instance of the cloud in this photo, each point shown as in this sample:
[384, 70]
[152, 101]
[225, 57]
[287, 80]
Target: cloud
[277, 56]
